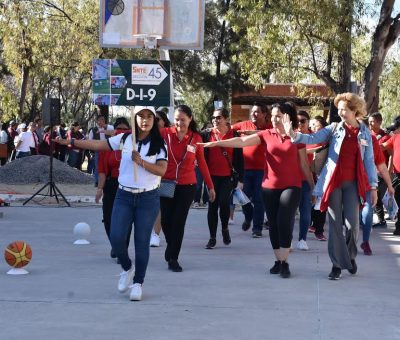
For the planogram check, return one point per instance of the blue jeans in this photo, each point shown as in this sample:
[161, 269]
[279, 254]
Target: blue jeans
[366, 217]
[21, 154]
[74, 159]
[305, 207]
[140, 209]
[254, 211]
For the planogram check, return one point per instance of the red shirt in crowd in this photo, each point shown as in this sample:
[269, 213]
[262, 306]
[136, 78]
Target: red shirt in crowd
[382, 137]
[176, 151]
[217, 163]
[109, 162]
[283, 168]
[379, 157]
[394, 144]
[254, 156]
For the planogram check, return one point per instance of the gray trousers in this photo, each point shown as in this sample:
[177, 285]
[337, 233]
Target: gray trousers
[344, 203]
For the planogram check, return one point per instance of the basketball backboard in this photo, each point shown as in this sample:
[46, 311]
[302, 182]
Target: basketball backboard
[176, 24]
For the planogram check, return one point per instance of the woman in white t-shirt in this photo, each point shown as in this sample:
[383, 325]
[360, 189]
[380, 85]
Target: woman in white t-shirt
[137, 200]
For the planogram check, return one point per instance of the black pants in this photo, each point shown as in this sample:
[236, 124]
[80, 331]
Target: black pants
[109, 192]
[281, 206]
[174, 213]
[223, 190]
[318, 219]
[382, 187]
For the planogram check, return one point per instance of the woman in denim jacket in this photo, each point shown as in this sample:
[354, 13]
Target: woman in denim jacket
[347, 174]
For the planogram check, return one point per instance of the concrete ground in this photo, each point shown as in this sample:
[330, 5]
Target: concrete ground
[224, 293]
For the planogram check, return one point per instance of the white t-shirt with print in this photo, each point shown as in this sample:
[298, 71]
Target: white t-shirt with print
[145, 179]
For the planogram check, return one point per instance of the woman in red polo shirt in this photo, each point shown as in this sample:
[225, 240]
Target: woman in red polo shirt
[285, 165]
[108, 169]
[181, 140]
[220, 162]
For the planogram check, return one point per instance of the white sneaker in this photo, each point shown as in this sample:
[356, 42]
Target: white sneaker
[302, 245]
[126, 279]
[154, 240]
[136, 292]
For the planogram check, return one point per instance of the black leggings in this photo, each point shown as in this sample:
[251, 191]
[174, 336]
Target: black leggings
[223, 189]
[318, 218]
[281, 206]
[174, 213]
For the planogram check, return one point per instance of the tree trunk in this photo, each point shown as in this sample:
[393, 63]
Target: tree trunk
[386, 34]
[221, 41]
[344, 58]
[24, 87]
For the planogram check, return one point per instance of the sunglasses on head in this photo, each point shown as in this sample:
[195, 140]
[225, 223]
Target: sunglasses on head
[303, 121]
[217, 117]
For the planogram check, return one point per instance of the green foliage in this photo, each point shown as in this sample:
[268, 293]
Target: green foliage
[390, 92]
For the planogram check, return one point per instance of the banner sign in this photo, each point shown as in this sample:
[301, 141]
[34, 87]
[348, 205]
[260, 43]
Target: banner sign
[131, 82]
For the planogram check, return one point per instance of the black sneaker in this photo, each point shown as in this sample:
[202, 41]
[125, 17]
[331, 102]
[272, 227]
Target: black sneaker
[353, 270]
[335, 274]
[396, 232]
[285, 272]
[381, 224]
[246, 226]
[256, 234]
[226, 238]
[211, 243]
[174, 266]
[276, 269]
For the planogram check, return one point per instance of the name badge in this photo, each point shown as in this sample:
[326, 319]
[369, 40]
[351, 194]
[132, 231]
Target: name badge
[191, 148]
[364, 142]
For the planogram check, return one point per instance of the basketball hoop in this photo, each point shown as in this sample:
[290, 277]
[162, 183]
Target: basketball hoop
[149, 41]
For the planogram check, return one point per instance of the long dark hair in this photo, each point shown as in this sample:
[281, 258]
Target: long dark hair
[163, 116]
[157, 143]
[188, 112]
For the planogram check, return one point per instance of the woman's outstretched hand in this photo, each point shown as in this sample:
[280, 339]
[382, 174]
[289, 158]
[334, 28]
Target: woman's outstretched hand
[208, 144]
[287, 125]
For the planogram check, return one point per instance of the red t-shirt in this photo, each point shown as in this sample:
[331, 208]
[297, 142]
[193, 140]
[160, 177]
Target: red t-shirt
[282, 168]
[379, 158]
[109, 162]
[217, 163]
[176, 151]
[382, 137]
[348, 155]
[394, 144]
[254, 156]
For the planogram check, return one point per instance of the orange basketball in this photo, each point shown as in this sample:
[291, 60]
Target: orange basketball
[18, 254]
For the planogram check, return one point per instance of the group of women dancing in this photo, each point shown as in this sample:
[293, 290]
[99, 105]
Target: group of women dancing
[135, 163]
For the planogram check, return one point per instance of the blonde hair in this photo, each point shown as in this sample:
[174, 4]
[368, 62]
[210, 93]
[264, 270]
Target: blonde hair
[354, 102]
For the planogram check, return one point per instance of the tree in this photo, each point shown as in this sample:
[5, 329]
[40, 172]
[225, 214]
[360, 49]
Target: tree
[298, 40]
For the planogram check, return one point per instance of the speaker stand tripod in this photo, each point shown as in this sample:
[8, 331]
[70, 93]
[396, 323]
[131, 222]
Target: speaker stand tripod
[53, 189]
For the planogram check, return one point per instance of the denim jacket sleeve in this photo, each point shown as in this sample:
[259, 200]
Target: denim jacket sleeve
[368, 157]
[320, 136]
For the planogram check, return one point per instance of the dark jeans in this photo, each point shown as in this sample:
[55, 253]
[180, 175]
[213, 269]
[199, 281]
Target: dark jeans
[254, 211]
[281, 206]
[74, 159]
[379, 210]
[305, 207]
[21, 154]
[140, 209]
[174, 213]
[109, 193]
[223, 190]
[200, 188]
